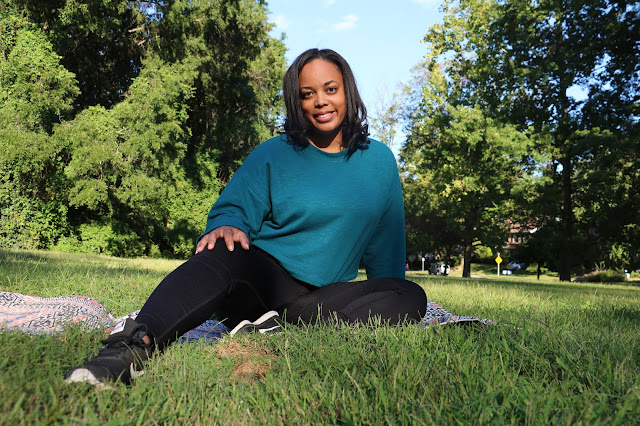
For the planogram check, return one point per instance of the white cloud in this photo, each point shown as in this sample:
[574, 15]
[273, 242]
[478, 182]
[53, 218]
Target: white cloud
[281, 22]
[330, 2]
[347, 22]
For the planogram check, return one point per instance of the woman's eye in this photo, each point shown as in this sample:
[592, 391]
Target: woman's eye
[332, 89]
[305, 94]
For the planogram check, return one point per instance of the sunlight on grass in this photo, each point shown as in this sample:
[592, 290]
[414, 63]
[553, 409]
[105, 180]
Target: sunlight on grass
[121, 285]
[562, 353]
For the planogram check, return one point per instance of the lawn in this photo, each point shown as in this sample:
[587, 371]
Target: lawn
[562, 353]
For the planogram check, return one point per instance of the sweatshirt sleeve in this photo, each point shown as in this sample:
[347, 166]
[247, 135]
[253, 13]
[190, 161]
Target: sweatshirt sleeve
[244, 202]
[385, 255]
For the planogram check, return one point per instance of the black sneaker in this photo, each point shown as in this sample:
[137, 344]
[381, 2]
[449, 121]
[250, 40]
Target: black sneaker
[120, 358]
[267, 324]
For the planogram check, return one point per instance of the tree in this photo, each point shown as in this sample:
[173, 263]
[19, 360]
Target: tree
[465, 165]
[126, 161]
[472, 162]
[166, 101]
[36, 92]
[237, 102]
[386, 117]
[101, 42]
[522, 60]
[608, 195]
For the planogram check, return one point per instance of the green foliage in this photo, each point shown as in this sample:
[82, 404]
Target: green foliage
[237, 99]
[599, 276]
[483, 254]
[608, 195]
[621, 256]
[36, 90]
[35, 93]
[130, 150]
[127, 166]
[103, 239]
[168, 100]
[101, 42]
[522, 61]
[460, 167]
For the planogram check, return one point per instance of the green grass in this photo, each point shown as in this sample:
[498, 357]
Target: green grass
[563, 353]
[482, 270]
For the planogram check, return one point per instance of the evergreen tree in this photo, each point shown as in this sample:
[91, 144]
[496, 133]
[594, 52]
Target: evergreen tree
[125, 119]
[36, 92]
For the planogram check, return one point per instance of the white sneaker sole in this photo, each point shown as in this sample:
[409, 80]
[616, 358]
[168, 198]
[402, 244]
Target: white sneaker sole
[83, 375]
[266, 330]
[256, 324]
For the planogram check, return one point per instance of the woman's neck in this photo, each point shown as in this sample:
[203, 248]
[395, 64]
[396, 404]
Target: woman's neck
[327, 142]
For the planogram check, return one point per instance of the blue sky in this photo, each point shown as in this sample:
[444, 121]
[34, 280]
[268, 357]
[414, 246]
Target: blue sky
[380, 39]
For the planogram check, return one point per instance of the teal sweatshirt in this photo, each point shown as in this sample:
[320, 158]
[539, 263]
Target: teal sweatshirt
[319, 213]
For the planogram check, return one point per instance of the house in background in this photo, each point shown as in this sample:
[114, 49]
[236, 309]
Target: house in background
[518, 234]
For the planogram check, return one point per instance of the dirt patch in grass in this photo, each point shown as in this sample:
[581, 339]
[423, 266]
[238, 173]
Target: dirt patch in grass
[247, 370]
[253, 360]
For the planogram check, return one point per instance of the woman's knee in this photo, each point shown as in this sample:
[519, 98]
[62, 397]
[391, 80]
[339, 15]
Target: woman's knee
[220, 250]
[415, 299]
[416, 290]
[408, 288]
[410, 298]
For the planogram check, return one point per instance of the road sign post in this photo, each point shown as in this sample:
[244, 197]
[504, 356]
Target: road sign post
[498, 261]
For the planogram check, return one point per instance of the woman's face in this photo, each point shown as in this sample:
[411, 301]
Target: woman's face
[322, 98]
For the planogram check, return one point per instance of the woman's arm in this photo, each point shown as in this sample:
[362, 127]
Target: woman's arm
[385, 254]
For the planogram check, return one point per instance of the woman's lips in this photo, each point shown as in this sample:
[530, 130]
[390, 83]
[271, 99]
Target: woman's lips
[324, 117]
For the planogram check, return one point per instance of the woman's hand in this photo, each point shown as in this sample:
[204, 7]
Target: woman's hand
[230, 234]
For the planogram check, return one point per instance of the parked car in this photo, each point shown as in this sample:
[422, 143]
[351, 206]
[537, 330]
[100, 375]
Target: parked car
[515, 266]
[440, 269]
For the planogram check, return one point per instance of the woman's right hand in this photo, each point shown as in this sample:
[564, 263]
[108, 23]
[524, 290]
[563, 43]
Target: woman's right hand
[230, 234]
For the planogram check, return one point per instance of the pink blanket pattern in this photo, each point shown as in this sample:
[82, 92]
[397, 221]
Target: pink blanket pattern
[38, 315]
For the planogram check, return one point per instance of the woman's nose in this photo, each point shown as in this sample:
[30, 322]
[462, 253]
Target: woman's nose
[320, 100]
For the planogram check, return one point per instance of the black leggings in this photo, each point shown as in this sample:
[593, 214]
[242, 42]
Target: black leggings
[244, 284]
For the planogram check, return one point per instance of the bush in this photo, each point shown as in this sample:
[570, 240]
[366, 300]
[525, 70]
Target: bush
[600, 276]
[101, 239]
[482, 254]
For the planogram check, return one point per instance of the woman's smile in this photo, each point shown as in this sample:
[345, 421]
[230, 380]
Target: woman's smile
[324, 117]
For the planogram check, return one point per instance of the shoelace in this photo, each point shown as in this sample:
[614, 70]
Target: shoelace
[119, 341]
[115, 348]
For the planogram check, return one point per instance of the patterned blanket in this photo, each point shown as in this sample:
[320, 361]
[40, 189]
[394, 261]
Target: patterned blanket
[38, 315]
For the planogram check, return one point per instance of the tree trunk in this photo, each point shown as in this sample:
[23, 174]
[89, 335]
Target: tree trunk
[466, 268]
[567, 220]
[565, 80]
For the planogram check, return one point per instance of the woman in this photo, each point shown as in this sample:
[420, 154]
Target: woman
[287, 233]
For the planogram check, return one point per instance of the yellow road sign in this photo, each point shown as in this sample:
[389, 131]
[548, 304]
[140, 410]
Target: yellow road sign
[498, 260]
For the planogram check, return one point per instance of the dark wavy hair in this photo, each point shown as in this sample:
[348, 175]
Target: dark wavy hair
[354, 127]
